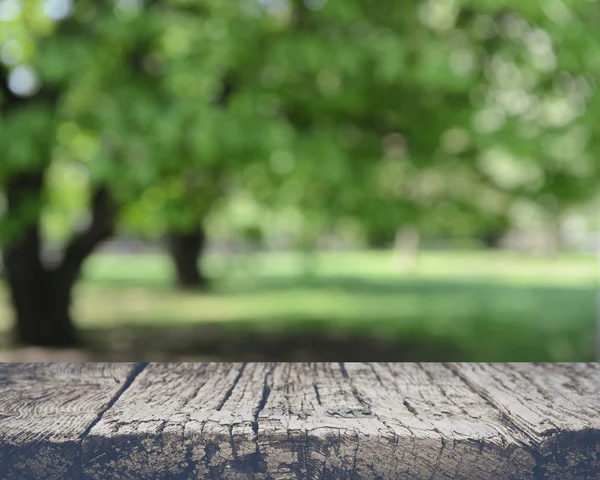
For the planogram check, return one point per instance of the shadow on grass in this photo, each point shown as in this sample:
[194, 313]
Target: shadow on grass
[503, 322]
[319, 341]
[500, 322]
[491, 299]
[402, 285]
[352, 284]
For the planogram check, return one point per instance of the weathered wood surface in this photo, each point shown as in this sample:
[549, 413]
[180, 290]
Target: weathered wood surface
[45, 411]
[296, 421]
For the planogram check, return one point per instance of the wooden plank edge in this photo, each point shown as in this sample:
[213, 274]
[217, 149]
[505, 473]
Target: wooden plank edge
[55, 458]
[194, 449]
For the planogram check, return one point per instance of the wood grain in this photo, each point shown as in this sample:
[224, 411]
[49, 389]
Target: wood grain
[346, 421]
[301, 421]
[189, 420]
[556, 406]
[45, 411]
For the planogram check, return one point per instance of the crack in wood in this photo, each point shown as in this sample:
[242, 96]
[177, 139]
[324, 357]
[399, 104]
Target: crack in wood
[233, 385]
[410, 408]
[137, 369]
[135, 372]
[317, 394]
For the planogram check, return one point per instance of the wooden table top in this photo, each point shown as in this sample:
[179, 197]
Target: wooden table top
[299, 420]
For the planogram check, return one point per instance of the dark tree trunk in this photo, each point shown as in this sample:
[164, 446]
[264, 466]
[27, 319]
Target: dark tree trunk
[41, 296]
[42, 312]
[379, 240]
[186, 250]
[41, 299]
[492, 240]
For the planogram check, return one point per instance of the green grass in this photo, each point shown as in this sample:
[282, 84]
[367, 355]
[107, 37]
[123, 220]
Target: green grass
[492, 306]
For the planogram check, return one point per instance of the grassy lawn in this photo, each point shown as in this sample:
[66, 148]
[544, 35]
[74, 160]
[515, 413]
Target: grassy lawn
[481, 306]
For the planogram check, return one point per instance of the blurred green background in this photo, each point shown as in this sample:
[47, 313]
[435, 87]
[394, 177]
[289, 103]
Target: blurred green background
[299, 180]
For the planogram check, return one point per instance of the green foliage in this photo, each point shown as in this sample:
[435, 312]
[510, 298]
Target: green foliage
[446, 114]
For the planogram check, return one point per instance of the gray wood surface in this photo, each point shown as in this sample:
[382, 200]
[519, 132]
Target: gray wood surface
[300, 420]
[45, 411]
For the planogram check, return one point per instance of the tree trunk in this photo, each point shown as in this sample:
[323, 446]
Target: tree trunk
[492, 240]
[41, 296]
[377, 240]
[42, 312]
[186, 250]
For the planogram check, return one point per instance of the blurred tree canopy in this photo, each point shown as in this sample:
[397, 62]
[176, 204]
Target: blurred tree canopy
[460, 117]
